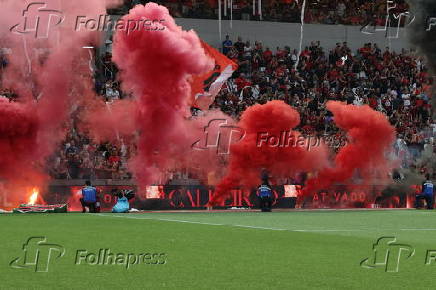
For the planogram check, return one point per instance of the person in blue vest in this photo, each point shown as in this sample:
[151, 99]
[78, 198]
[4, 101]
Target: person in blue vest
[89, 198]
[123, 198]
[265, 194]
[426, 193]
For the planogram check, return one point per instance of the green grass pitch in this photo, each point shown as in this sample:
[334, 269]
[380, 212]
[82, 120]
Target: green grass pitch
[319, 249]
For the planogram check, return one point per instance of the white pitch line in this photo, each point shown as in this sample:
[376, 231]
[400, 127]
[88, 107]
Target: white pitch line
[160, 219]
[257, 227]
[417, 229]
[230, 225]
[353, 230]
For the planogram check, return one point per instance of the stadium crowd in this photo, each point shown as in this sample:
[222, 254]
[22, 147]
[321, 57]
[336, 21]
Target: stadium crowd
[79, 157]
[350, 12]
[395, 83]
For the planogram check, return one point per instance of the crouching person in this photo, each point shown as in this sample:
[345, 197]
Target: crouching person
[89, 198]
[426, 193]
[122, 205]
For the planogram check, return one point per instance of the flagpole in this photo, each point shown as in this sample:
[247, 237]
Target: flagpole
[225, 7]
[231, 14]
[219, 19]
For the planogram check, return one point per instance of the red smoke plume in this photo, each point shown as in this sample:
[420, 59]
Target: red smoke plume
[370, 137]
[44, 64]
[18, 137]
[155, 63]
[110, 121]
[250, 156]
[156, 60]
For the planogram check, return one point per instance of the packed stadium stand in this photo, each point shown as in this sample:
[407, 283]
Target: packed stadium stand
[396, 83]
[354, 12]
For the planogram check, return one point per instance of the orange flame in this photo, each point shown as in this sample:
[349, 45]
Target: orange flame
[34, 196]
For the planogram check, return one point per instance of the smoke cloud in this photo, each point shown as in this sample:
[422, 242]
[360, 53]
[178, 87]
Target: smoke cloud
[250, 156]
[423, 34]
[45, 69]
[155, 65]
[370, 139]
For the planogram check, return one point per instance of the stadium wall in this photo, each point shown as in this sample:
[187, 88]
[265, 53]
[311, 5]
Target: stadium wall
[279, 34]
[188, 196]
[273, 34]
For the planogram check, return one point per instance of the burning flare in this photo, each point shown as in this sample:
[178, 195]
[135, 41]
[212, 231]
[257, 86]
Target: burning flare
[34, 196]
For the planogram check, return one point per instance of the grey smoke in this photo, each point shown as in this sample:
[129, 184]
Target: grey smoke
[425, 39]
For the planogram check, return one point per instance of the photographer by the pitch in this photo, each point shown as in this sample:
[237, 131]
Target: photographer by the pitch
[90, 198]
